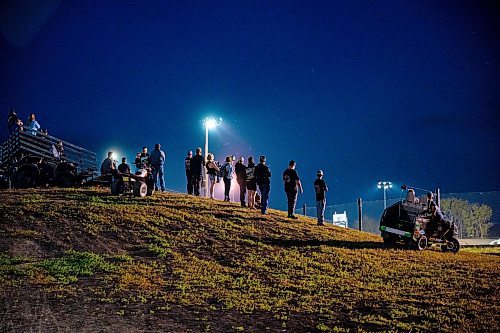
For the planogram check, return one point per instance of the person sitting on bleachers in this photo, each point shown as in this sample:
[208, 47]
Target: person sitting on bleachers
[33, 125]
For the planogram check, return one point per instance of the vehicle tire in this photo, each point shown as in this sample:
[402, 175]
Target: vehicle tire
[27, 176]
[388, 241]
[151, 190]
[117, 187]
[66, 179]
[422, 243]
[140, 189]
[455, 245]
[151, 186]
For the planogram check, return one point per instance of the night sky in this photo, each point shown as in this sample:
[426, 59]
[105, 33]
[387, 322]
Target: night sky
[403, 91]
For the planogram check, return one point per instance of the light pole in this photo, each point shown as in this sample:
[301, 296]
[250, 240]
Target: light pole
[385, 186]
[209, 123]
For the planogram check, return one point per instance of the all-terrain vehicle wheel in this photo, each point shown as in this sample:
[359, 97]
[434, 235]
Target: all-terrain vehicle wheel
[117, 187]
[422, 243]
[453, 245]
[27, 176]
[140, 189]
[66, 179]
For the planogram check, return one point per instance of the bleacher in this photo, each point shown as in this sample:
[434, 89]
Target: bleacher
[46, 146]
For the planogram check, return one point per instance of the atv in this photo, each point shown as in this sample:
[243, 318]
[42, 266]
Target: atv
[139, 184]
[405, 222]
[444, 237]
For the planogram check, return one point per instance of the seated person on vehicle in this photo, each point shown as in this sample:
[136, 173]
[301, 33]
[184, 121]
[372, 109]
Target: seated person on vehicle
[124, 167]
[436, 219]
[411, 197]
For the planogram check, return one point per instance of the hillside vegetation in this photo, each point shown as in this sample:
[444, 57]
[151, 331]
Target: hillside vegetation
[82, 260]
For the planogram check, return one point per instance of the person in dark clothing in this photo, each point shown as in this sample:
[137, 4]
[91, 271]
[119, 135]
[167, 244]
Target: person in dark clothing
[157, 160]
[108, 165]
[262, 175]
[320, 188]
[187, 167]
[137, 161]
[197, 163]
[291, 181]
[227, 176]
[241, 173]
[145, 161]
[436, 217]
[13, 122]
[250, 182]
[124, 167]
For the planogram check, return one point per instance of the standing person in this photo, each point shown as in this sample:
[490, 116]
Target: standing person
[137, 161]
[262, 175]
[187, 167]
[124, 167]
[212, 170]
[196, 166]
[320, 188]
[241, 174]
[227, 175]
[108, 165]
[33, 125]
[144, 158]
[157, 160]
[250, 182]
[291, 181]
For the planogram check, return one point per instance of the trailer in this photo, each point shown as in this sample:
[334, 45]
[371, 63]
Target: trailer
[37, 159]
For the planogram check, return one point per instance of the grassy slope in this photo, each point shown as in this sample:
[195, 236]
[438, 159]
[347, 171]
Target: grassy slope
[83, 260]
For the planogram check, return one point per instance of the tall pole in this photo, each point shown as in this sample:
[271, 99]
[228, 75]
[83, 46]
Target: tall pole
[385, 200]
[360, 214]
[205, 177]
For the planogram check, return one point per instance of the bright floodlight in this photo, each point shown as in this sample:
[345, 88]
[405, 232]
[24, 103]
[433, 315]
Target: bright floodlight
[210, 123]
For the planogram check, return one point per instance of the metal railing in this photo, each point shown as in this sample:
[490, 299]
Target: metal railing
[48, 147]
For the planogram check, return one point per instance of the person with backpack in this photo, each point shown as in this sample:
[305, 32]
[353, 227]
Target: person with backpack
[291, 182]
[262, 175]
[212, 170]
[320, 188]
[250, 182]
[227, 175]
[240, 171]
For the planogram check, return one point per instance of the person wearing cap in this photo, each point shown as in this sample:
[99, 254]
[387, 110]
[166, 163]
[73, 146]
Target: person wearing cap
[291, 181]
[157, 160]
[124, 167]
[189, 176]
[320, 188]
[262, 175]
[240, 171]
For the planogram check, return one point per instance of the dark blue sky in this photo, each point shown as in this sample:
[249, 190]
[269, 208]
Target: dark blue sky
[405, 91]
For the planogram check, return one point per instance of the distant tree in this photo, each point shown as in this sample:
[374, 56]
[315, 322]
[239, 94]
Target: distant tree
[474, 220]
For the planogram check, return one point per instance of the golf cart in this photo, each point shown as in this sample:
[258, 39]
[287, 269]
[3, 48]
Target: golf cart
[406, 222]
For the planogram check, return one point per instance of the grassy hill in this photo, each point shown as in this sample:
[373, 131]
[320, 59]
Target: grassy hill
[82, 260]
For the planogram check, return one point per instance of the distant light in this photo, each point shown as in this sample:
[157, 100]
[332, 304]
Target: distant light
[211, 123]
